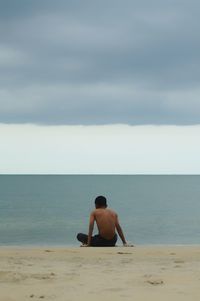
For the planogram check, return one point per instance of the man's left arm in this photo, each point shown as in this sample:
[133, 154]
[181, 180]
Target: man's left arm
[91, 227]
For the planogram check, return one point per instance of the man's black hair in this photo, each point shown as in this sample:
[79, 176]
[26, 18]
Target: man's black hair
[101, 201]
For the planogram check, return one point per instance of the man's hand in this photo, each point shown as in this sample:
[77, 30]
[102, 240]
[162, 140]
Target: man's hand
[85, 245]
[128, 245]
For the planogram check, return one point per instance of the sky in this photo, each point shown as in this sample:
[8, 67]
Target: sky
[109, 149]
[79, 68]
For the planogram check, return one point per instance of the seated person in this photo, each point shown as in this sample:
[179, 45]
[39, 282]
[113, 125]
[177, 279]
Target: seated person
[107, 224]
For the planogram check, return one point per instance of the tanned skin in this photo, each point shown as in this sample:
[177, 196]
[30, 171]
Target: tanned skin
[107, 223]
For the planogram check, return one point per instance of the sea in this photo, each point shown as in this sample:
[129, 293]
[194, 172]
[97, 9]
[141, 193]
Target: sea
[49, 210]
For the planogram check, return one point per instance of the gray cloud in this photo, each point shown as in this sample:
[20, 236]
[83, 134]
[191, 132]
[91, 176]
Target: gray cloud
[96, 62]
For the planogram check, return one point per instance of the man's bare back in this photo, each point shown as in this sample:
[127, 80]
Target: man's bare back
[106, 220]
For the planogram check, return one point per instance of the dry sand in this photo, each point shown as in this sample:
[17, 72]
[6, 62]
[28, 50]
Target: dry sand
[140, 273]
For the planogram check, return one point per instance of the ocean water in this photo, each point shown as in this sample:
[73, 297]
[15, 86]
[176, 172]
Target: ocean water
[51, 210]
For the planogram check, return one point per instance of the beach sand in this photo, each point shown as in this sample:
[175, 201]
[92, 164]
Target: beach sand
[62, 274]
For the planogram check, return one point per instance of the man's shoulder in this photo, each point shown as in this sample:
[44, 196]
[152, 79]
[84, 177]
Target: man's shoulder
[112, 211]
[98, 211]
[95, 212]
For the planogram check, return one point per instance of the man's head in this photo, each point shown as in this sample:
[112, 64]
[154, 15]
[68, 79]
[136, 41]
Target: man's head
[100, 202]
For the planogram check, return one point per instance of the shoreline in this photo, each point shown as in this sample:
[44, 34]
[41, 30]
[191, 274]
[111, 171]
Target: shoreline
[58, 246]
[110, 273]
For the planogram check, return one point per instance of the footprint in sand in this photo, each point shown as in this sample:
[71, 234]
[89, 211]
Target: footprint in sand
[8, 276]
[178, 263]
[40, 297]
[42, 276]
[123, 253]
[177, 266]
[153, 281]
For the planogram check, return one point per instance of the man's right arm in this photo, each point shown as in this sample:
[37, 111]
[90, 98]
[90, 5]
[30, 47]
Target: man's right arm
[120, 231]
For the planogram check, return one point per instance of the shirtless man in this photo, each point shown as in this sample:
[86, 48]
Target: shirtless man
[107, 222]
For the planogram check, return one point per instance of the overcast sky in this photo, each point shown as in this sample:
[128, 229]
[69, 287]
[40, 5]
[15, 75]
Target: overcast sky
[72, 67]
[100, 62]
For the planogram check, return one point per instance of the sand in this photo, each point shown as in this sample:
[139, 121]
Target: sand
[62, 274]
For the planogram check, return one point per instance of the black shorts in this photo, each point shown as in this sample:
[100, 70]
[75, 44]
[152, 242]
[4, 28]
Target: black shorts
[97, 240]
